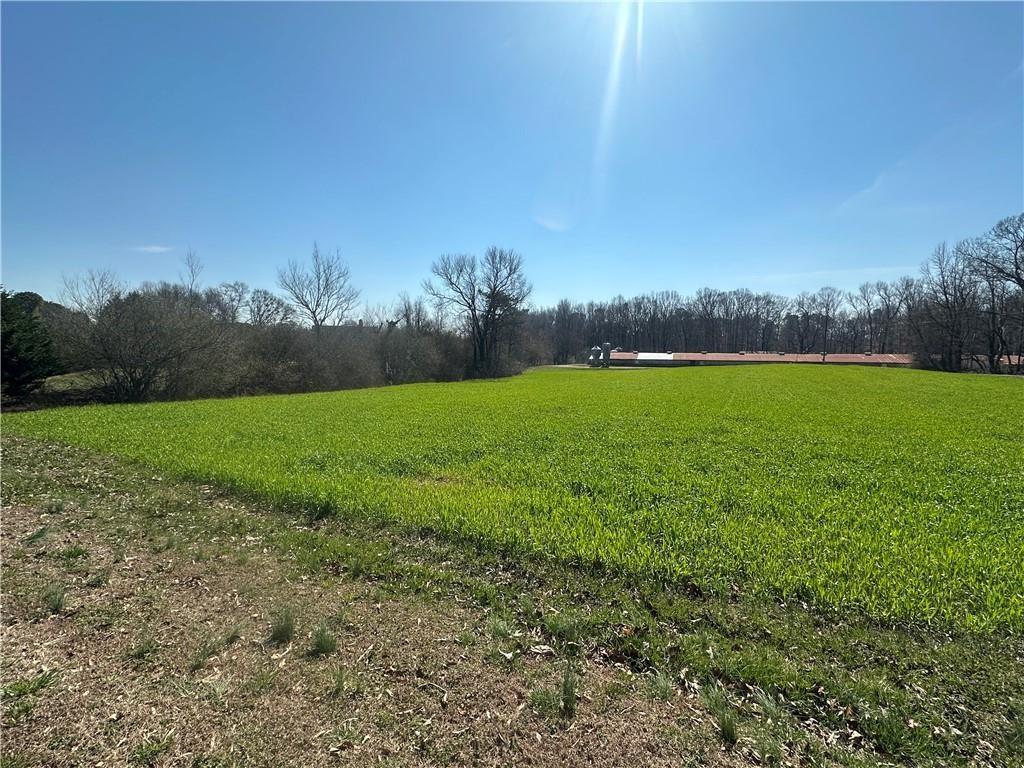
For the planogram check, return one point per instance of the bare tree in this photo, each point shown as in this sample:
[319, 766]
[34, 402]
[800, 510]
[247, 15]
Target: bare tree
[948, 306]
[266, 309]
[805, 307]
[322, 293]
[412, 313]
[890, 303]
[233, 296]
[193, 271]
[377, 317]
[995, 300]
[181, 340]
[487, 296]
[863, 303]
[770, 311]
[156, 340]
[1001, 251]
[92, 292]
[706, 305]
[829, 300]
[998, 260]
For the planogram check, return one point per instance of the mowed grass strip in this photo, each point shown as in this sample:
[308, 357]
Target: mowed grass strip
[899, 493]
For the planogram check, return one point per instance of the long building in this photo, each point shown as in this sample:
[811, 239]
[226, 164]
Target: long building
[617, 357]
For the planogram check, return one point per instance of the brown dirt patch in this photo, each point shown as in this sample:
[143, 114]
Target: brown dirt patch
[423, 682]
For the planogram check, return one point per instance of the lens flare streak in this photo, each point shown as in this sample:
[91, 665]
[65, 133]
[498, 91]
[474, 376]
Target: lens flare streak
[611, 102]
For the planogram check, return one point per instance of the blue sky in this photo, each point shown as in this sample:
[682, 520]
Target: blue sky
[774, 146]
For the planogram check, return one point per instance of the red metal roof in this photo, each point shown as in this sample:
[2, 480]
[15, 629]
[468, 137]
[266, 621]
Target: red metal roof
[681, 358]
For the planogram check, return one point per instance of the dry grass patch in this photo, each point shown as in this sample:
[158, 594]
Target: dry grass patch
[152, 681]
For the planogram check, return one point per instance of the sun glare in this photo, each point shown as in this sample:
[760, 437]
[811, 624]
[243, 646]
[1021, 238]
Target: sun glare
[610, 104]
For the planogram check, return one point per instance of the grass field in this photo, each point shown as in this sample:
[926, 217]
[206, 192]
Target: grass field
[896, 493]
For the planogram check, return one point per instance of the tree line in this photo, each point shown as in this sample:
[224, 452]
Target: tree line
[181, 339]
[965, 310]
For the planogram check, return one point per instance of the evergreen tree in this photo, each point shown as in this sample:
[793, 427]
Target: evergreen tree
[27, 355]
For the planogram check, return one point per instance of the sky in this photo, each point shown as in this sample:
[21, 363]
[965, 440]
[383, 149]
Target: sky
[620, 148]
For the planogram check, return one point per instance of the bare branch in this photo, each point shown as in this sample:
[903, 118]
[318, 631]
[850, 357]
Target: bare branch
[322, 293]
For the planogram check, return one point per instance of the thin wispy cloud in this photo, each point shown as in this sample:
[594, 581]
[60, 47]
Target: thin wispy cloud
[152, 249]
[905, 186]
[875, 191]
[552, 222]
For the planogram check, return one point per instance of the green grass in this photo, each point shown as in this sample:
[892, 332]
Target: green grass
[569, 685]
[557, 702]
[149, 751]
[54, 598]
[661, 686]
[282, 626]
[796, 679]
[717, 702]
[344, 683]
[897, 493]
[20, 695]
[323, 643]
[73, 553]
[29, 686]
[208, 648]
[144, 648]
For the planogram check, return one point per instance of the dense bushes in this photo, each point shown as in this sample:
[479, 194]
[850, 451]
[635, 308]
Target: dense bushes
[169, 341]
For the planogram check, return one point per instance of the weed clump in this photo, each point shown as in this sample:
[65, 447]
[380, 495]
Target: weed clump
[558, 702]
[717, 702]
[143, 649]
[344, 683]
[30, 685]
[323, 643]
[54, 507]
[36, 535]
[148, 751]
[282, 626]
[208, 648]
[661, 686]
[54, 599]
[569, 683]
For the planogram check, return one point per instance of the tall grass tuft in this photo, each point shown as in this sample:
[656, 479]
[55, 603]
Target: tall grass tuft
[54, 599]
[208, 648]
[569, 685]
[661, 686]
[717, 702]
[143, 649]
[323, 642]
[282, 626]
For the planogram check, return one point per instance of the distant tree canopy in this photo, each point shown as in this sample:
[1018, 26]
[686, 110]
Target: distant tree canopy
[27, 356]
[965, 310]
